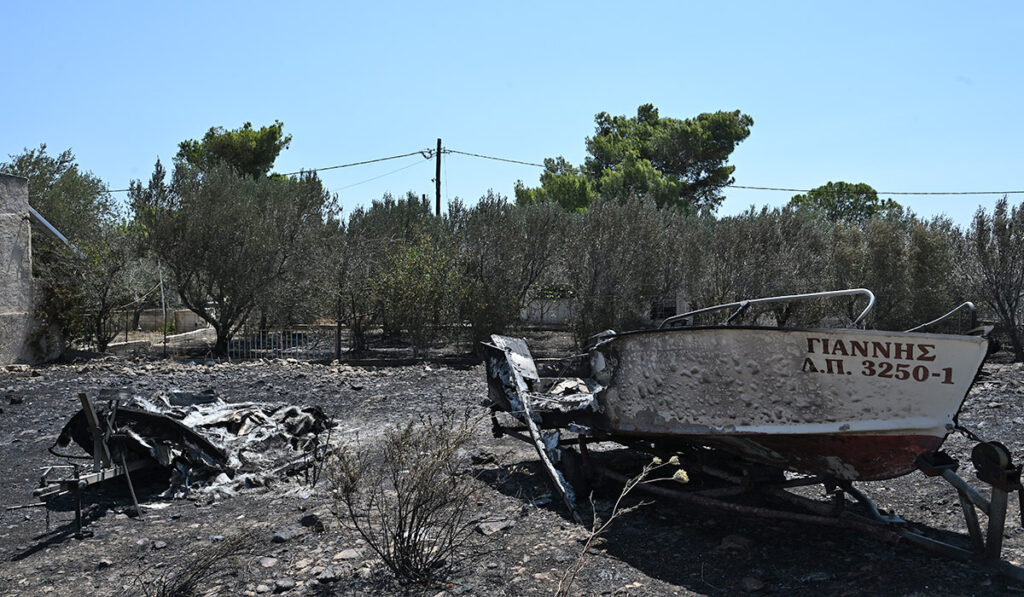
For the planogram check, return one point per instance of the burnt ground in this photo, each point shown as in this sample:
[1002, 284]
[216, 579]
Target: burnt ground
[660, 549]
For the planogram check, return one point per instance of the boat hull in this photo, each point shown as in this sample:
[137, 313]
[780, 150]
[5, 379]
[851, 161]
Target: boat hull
[850, 404]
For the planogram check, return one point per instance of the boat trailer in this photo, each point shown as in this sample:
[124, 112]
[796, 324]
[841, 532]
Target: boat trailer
[542, 403]
[571, 468]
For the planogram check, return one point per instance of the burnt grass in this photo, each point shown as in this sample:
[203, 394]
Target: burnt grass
[663, 548]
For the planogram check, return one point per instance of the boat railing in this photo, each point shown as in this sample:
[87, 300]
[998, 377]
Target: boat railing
[968, 305]
[741, 306]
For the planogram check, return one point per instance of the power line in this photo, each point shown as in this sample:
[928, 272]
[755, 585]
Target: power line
[427, 153]
[943, 193]
[491, 157]
[379, 176]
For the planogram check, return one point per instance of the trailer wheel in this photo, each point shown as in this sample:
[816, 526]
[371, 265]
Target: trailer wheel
[990, 456]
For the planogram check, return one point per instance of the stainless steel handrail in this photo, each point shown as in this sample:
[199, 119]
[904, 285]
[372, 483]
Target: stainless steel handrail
[967, 304]
[742, 306]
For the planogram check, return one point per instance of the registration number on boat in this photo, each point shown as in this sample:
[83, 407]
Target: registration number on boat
[884, 369]
[873, 367]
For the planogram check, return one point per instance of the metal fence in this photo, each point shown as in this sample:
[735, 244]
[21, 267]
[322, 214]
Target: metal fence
[305, 345]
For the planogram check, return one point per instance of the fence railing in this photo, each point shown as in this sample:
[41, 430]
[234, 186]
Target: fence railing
[304, 345]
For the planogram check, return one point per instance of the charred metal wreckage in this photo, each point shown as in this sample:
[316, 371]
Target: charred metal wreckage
[210, 447]
[760, 410]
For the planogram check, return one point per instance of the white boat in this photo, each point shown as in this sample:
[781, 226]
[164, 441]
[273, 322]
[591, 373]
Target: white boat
[849, 404]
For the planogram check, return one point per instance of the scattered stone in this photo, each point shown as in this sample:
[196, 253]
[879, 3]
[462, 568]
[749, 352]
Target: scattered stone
[736, 542]
[288, 533]
[159, 544]
[262, 588]
[284, 584]
[312, 521]
[348, 554]
[268, 562]
[490, 527]
[751, 584]
[215, 538]
[482, 457]
[329, 575]
[104, 563]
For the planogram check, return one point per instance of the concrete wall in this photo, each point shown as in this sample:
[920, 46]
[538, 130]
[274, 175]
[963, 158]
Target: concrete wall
[16, 313]
[152, 320]
[546, 311]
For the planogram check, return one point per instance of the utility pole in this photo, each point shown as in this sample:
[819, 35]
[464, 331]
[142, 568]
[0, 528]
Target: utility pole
[437, 178]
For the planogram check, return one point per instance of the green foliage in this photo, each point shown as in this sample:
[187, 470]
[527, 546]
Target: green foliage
[418, 287]
[770, 252]
[228, 239]
[677, 163]
[506, 251]
[681, 163]
[846, 202]
[249, 151]
[616, 275]
[561, 184]
[372, 238]
[993, 258]
[934, 287]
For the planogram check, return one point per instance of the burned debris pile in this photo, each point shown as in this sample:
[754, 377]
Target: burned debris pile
[211, 448]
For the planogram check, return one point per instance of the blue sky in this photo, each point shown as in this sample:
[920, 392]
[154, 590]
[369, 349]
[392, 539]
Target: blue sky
[910, 96]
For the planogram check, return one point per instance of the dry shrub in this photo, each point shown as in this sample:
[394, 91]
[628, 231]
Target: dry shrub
[598, 527]
[189, 578]
[410, 495]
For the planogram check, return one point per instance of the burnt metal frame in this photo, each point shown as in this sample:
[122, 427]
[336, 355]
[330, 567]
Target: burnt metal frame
[106, 444]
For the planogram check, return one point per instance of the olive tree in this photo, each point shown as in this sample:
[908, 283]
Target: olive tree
[614, 271]
[372, 238]
[505, 251]
[993, 266]
[228, 239]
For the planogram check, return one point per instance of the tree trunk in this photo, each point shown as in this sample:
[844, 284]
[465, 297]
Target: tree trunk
[1015, 342]
[220, 347]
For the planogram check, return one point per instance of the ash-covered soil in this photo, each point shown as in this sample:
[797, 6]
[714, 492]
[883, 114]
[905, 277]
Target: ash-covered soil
[292, 544]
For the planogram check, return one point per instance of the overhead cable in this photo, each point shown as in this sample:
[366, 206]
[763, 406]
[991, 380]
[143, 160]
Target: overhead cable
[427, 153]
[491, 157]
[430, 153]
[736, 186]
[406, 167]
